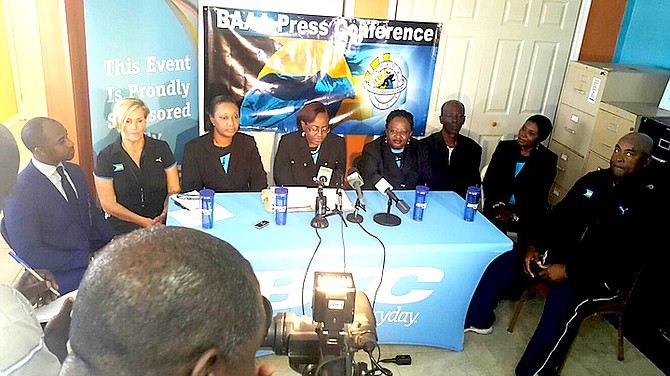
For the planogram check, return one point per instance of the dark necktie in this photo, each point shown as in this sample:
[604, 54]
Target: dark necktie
[69, 191]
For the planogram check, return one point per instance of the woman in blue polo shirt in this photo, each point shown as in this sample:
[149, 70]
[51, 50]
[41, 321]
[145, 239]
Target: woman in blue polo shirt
[136, 173]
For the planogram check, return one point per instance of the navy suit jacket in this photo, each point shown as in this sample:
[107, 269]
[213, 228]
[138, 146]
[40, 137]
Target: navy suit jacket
[46, 234]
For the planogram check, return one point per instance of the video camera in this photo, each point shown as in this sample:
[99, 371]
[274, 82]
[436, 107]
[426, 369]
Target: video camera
[342, 324]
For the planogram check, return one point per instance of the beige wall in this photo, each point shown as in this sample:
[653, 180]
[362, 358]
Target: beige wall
[371, 8]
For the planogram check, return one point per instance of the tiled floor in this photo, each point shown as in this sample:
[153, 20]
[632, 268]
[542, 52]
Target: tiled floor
[593, 353]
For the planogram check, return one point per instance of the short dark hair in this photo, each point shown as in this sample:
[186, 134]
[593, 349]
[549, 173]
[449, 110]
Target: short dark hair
[211, 108]
[544, 126]
[452, 101]
[400, 113]
[32, 133]
[157, 298]
[309, 111]
[9, 163]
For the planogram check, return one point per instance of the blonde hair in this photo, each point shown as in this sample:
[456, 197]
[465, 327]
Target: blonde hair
[124, 107]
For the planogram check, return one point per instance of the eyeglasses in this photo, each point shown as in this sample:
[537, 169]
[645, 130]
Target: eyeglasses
[398, 132]
[315, 130]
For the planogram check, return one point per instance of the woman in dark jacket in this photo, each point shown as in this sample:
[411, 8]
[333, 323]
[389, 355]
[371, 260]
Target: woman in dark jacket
[310, 151]
[395, 156]
[518, 179]
[223, 159]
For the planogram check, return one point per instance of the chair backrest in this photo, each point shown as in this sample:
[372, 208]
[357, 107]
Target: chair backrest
[482, 173]
[3, 231]
[627, 293]
[617, 305]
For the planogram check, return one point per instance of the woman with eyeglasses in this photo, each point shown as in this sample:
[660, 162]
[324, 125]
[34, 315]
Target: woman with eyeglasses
[310, 151]
[223, 159]
[395, 156]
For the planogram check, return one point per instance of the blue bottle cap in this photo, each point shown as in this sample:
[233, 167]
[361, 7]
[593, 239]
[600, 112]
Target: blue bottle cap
[206, 192]
[422, 188]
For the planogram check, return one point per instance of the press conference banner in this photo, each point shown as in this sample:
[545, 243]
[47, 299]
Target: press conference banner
[273, 63]
[143, 49]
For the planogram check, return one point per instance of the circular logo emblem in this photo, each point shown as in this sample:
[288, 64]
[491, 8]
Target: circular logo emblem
[384, 82]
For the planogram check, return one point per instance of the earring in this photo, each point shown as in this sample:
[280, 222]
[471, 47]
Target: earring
[302, 134]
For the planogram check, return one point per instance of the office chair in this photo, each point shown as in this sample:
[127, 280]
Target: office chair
[614, 307]
[482, 173]
[3, 231]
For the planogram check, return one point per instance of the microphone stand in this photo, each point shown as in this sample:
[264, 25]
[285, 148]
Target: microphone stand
[387, 219]
[338, 205]
[355, 217]
[319, 220]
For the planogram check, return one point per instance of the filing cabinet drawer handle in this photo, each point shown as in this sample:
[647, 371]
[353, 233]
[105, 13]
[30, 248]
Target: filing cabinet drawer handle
[580, 91]
[569, 130]
[605, 146]
[613, 127]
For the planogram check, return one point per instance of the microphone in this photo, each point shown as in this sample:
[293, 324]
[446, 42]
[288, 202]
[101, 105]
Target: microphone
[324, 175]
[365, 333]
[356, 181]
[386, 189]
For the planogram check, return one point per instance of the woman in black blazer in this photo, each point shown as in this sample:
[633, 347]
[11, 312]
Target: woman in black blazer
[301, 154]
[223, 159]
[519, 176]
[395, 156]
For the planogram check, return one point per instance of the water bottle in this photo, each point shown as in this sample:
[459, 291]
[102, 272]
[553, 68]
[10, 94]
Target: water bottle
[471, 203]
[207, 207]
[281, 205]
[419, 202]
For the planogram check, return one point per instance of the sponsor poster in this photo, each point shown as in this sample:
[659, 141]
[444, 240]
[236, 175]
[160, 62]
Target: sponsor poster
[147, 50]
[272, 63]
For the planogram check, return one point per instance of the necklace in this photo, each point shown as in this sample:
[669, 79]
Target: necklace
[221, 145]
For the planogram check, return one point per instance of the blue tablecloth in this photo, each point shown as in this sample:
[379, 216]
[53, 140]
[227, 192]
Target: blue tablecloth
[428, 270]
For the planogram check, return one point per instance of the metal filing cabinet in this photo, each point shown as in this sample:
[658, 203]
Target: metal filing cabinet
[614, 120]
[585, 87]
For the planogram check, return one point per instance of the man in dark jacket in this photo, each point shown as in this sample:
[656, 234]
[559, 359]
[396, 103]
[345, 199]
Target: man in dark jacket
[454, 158]
[51, 220]
[588, 252]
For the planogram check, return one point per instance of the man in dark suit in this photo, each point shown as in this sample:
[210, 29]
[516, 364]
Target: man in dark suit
[49, 219]
[454, 158]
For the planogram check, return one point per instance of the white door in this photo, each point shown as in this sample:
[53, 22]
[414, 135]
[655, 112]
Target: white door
[504, 59]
